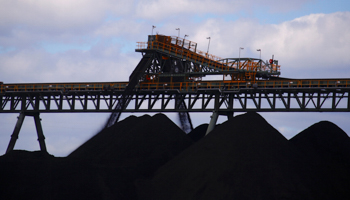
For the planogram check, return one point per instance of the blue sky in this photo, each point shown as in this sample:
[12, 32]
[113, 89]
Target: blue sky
[266, 15]
[81, 41]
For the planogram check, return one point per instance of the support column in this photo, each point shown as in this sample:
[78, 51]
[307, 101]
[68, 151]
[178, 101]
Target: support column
[15, 133]
[39, 130]
[230, 115]
[212, 123]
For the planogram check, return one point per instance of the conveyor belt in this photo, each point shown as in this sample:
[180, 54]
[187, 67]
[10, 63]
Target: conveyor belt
[194, 85]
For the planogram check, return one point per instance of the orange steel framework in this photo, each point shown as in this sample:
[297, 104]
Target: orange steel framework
[240, 70]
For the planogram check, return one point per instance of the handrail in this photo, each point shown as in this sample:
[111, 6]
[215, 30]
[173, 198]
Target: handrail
[63, 86]
[101, 86]
[176, 48]
[228, 85]
[197, 56]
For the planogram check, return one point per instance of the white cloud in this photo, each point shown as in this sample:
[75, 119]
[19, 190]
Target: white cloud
[305, 46]
[126, 28]
[101, 63]
[160, 9]
[315, 42]
[61, 14]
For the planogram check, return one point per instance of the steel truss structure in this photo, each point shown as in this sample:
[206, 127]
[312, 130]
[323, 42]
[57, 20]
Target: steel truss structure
[206, 100]
[220, 102]
[168, 78]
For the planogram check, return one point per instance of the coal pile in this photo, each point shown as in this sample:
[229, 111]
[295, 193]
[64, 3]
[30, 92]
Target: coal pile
[145, 141]
[104, 167]
[198, 133]
[327, 149]
[38, 175]
[244, 158]
[152, 158]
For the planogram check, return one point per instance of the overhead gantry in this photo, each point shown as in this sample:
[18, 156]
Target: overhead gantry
[174, 60]
[171, 77]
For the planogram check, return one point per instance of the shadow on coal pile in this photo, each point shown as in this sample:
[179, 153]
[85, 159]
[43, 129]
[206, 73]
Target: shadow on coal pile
[152, 158]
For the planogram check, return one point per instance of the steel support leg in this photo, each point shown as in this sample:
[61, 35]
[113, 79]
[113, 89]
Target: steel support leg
[229, 115]
[39, 130]
[15, 133]
[185, 119]
[212, 123]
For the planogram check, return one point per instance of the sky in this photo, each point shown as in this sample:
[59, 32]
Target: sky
[85, 41]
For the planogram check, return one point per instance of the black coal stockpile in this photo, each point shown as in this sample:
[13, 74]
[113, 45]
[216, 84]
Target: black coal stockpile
[198, 133]
[327, 149]
[105, 167]
[246, 158]
[145, 141]
[151, 158]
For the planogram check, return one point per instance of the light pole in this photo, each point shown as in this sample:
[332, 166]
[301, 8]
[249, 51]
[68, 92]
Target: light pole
[178, 29]
[184, 40]
[208, 45]
[260, 53]
[239, 57]
[153, 27]
[259, 56]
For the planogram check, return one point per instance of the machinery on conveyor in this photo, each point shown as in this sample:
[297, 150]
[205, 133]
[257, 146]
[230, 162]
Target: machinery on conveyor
[173, 59]
[178, 62]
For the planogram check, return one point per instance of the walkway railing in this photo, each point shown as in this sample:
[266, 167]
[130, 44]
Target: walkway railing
[186, 49]
[191, 85]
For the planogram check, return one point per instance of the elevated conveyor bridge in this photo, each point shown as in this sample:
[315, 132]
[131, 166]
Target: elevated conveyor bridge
[170, 78]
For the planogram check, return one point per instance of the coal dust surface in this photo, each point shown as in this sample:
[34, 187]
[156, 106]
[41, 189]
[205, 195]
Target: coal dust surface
[150, 157]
